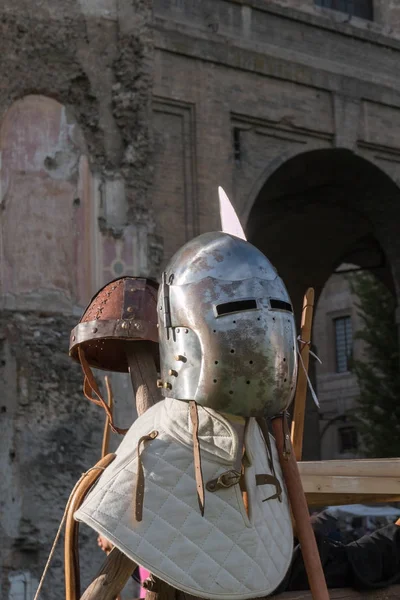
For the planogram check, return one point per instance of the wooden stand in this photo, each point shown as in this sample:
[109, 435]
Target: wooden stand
[301, 387]
[117, 568]
[298, 503]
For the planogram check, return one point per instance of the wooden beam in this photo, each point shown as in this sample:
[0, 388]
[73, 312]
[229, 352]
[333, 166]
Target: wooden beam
[380, 467]
[339, 499]
[340, 484]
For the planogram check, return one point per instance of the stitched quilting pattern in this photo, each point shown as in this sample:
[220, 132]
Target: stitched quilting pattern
[224, 554]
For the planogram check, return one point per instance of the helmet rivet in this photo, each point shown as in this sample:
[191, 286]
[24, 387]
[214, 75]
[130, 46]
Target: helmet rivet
[173, 373]
[130, 308]
[178, 330]
[73, 338]
[180, 357]
[124, 325]
[167, 386]
[186, 330]
[94, 330]
[159, 383]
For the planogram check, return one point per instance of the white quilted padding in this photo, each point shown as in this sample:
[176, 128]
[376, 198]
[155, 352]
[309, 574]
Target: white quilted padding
[225, 554]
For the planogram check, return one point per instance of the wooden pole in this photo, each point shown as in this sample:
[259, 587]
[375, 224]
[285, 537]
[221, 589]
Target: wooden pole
[112, 577]
[301, 389]
[71, 550]
[143, 376]
[309, 549]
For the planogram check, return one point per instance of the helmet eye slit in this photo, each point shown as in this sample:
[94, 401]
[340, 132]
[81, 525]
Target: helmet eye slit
[228, 308]
[280, 305]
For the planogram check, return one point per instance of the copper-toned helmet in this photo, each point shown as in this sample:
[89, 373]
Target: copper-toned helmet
[122, 313]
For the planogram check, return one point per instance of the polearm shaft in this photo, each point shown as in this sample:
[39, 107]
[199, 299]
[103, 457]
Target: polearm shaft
[298, 503]
[301, 388]
[287, 458]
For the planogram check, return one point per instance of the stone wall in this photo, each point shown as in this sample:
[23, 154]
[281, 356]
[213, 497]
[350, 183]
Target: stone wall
[75, 169]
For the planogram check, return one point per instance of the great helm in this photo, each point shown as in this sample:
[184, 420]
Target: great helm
[226, 327]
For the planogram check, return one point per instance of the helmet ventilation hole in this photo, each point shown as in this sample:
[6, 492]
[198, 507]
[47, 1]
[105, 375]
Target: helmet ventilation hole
[233, 321]
[273, 318]
[285, 380]
[230, 391]
[250, 362]
[216, 362]
[248, 382]
[284, 360]
[214, 331]
[214, 381]
[232, 351]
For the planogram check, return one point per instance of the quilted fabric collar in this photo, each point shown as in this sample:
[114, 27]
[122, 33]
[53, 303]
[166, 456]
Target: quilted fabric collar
[217, 437]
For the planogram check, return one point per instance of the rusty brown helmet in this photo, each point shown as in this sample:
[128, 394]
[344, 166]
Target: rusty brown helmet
[123, 312]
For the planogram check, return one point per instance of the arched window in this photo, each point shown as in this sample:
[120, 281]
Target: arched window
[353, 8]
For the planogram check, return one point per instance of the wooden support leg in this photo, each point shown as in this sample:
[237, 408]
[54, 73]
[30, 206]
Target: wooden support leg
[71, 554]
[312, 561]
[117, 568]
[112, 577]
[143, 376]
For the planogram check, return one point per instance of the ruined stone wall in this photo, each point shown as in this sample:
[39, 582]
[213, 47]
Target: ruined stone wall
[75, 170]
[50, 435]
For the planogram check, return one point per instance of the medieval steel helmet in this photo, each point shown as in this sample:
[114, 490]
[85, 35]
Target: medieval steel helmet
[227, 329]
[122, 312]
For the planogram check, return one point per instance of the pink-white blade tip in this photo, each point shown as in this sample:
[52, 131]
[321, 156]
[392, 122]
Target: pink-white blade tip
[229, 219]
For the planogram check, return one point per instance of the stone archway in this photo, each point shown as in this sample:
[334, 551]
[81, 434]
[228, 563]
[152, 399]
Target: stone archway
[321, 209]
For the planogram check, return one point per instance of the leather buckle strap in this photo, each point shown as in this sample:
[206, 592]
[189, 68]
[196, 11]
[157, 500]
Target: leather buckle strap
[196, 455]
[262, 423]
[264, 479]
[90, 387]
[225, 480]
[139, 487]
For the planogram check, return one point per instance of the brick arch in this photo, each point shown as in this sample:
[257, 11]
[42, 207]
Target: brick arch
[45, 198]
[317, 209]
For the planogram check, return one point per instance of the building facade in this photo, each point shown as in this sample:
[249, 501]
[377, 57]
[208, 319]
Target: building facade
[118, 120]
[336, 321]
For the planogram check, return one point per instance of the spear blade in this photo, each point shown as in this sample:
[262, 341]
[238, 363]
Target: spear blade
[229, 220]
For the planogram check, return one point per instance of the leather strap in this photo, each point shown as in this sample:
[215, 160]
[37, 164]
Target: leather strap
[90, 387]
[264, 479]
[262, 423]
[139, 487]
[197, 458]
[234, 475]
[225, 480]
[287, 445]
